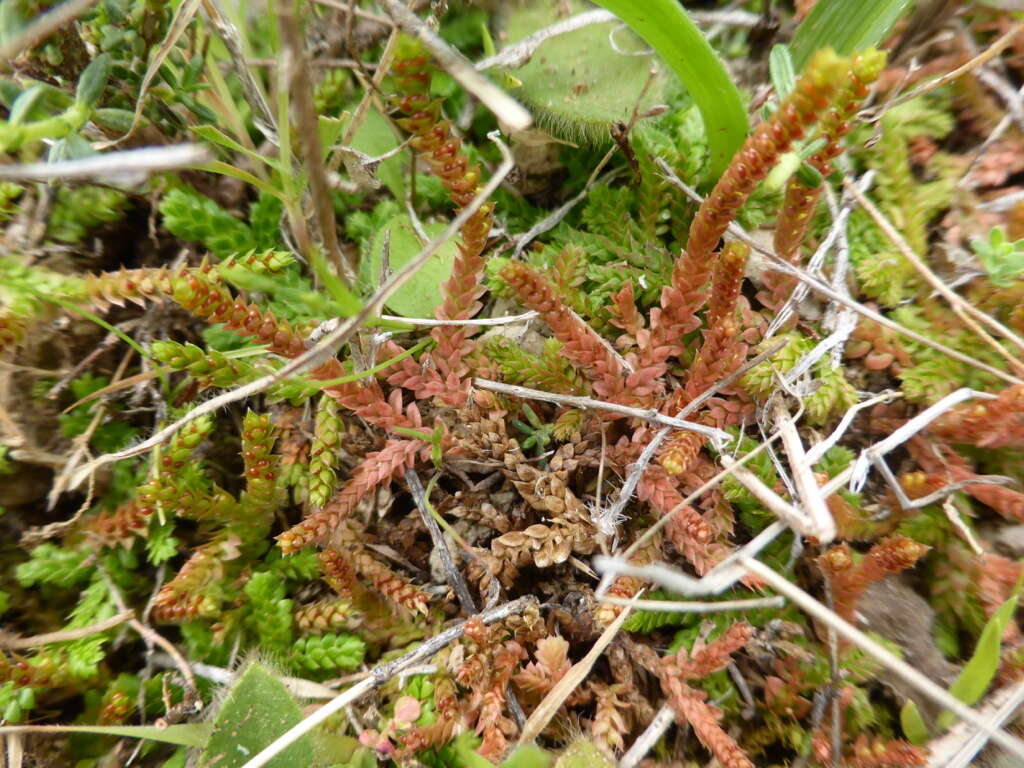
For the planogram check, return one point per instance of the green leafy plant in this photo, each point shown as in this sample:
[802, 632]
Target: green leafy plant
[1002, 260]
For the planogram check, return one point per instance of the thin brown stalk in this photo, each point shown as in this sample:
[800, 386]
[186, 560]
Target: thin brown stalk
[301, 89]
[62, 636]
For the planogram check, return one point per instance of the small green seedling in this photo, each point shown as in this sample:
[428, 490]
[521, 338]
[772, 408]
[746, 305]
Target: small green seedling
[1002, 259]
[538, 434]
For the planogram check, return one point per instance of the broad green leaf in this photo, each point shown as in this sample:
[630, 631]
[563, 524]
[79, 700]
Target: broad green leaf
[420, 295]
[913, 724]
[666, 28]
[186, 734]
[581, 83]
[846, 26]
[257, 710]
[976, 676]
[375, 137]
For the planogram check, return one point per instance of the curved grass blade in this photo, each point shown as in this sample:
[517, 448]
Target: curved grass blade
[846, 26]
[666, 28]
[183, 734]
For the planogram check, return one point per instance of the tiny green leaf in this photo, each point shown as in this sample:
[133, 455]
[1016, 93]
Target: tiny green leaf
[24, 104]
[913, 724]
[93, 80]
[1002, 259]
[783, 73]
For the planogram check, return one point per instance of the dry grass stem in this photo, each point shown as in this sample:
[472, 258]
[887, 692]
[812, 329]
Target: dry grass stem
[590, 403]
[822, 526]
[694, 606]
[959, 747]
[20, 643]
[570, 682]
[645, 742]
[957, 302]
[518, 54]
[827, 291]
[130, 167]
[1000, 44]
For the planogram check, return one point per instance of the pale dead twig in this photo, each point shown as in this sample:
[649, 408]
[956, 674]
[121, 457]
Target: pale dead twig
[326, 346]
[958, 748]
[262, 116]
[129, 167]
[301, 89]
[961, 528]
[819, 449]
[380, 675]
[720, 578]
[895, 664]
[1002, 204]
[192, 701]
[695, 606]
[42, 27]
[306, 689]
[967, 180]
[8, 642]
[80, 451]
[957, 302]
[831, 239]
[455, 580]
[431, 322]
[797, 519]
[997, 47]
[858, 471]
[369, 88]
[570, 682]
[645, 742]
[318, 63]
[677, 581]
[519, 53]
[823, 527]
[1005, 91]
[772, 530]
[552, 219]
[505, 108]
[589, 403]
[784, 266]
[945, 491]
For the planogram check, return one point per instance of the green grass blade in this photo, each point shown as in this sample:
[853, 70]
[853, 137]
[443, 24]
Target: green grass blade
[666, 28]
[846, 26]
[183, 734]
